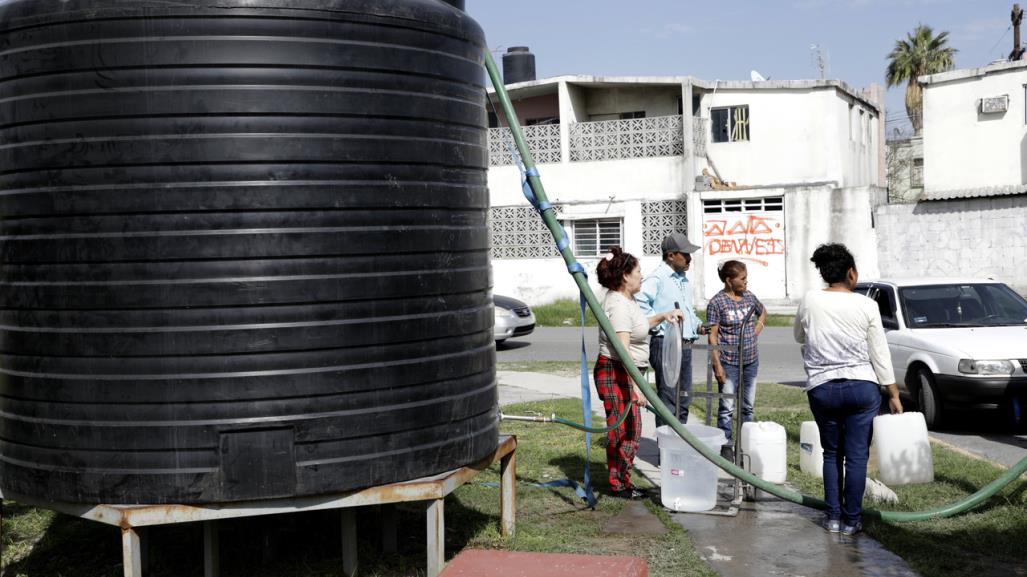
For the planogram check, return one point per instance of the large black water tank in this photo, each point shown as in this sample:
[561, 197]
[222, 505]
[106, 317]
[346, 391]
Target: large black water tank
[244, 251]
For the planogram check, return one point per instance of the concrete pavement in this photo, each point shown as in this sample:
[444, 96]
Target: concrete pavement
[767, 537]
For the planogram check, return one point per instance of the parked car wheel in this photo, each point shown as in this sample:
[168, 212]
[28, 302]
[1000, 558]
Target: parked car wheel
[927, 397]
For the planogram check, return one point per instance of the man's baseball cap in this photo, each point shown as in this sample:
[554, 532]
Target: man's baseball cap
[677, 242]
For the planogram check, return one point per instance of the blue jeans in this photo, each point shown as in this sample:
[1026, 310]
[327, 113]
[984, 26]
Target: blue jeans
[726, 411]
[845, 410]
[666, 390]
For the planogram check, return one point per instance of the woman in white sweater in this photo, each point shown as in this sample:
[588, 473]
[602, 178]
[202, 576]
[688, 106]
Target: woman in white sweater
[847, 360]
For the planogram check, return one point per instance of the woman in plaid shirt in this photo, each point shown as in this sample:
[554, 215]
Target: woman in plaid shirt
[725, 313]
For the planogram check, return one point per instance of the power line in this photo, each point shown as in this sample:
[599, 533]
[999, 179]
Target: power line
[1008, 28]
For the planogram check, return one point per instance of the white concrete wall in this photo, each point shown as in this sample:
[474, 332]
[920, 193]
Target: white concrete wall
[813, 216]
[569, 182]
[542, 281]
[583, 190]
[859, 153]
[964, 149]
[820, 215]
[973, 237]
[796, 136]
[576, 105]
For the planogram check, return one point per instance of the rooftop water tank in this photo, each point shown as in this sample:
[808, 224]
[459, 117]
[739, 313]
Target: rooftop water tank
[244, 251]
[518, 65]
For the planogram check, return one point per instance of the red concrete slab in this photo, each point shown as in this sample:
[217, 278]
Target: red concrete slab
[487, 563]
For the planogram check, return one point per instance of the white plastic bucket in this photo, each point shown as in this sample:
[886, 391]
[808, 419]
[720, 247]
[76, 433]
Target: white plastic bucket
[764, 448]
[688, 481]
[902, 449]
[811, 453]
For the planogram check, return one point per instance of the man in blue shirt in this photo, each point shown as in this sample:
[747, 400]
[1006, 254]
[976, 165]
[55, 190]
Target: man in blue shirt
[663, 288]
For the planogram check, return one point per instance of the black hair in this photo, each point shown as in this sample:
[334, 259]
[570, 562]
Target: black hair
[611, 271]
[833, 261]
[730, 269]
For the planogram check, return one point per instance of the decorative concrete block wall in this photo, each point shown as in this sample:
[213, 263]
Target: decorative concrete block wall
[974, 237]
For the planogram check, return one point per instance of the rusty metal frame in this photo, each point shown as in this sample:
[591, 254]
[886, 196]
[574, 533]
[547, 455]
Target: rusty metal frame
[131, 518]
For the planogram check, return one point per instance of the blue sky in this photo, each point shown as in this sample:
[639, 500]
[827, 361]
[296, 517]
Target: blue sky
[725, 40]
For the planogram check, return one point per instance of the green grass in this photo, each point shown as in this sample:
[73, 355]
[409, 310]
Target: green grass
[562, 313]
[556, 520]
[987, 541]
[567, 313]
[39, 543]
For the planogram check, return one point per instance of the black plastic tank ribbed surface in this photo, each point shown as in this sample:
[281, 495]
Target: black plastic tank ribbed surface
[518, 65]
[244, 251]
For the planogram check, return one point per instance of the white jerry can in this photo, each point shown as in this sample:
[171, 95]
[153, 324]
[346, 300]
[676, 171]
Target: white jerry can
[764, 449]
[902, 449]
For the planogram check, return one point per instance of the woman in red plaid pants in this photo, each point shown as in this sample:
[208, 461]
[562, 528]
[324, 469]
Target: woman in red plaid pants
[621, 275]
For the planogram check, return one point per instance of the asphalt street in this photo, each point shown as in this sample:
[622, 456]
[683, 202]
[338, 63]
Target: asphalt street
[978, 432]
[780, 361]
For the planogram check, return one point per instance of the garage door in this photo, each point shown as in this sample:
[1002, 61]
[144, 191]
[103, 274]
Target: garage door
[751, 230]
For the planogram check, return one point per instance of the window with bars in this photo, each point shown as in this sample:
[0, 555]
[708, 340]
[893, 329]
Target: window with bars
[916, 173]
[593, 237]
[729, 124]
[720, 205]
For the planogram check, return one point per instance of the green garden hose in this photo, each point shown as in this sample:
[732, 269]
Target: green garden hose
[549, 217]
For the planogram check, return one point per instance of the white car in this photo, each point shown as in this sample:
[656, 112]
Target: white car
[513, 318]
[956, 343]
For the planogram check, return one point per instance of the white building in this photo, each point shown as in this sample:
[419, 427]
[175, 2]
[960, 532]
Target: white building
[975, 138]
[971, 218]
[622, 158]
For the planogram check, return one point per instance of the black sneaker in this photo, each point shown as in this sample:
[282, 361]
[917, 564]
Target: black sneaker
[632, 493]
[728, 452]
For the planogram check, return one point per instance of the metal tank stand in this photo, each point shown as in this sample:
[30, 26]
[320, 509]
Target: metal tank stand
[134, 519]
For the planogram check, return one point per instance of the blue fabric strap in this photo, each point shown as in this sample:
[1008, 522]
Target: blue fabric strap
[583, 489]
[585, 492]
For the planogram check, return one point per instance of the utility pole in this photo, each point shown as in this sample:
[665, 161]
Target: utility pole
[1016, 17]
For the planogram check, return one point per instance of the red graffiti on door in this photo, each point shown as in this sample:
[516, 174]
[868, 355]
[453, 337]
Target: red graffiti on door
[745, 236]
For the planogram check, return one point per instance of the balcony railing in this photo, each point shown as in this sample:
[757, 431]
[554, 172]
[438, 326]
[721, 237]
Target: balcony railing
[633, 138]
[543, 141]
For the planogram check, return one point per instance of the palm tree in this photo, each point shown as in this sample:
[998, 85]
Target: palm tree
[920, 53]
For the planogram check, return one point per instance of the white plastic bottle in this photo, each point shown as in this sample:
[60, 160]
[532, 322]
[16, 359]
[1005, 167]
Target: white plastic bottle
[811, 453]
